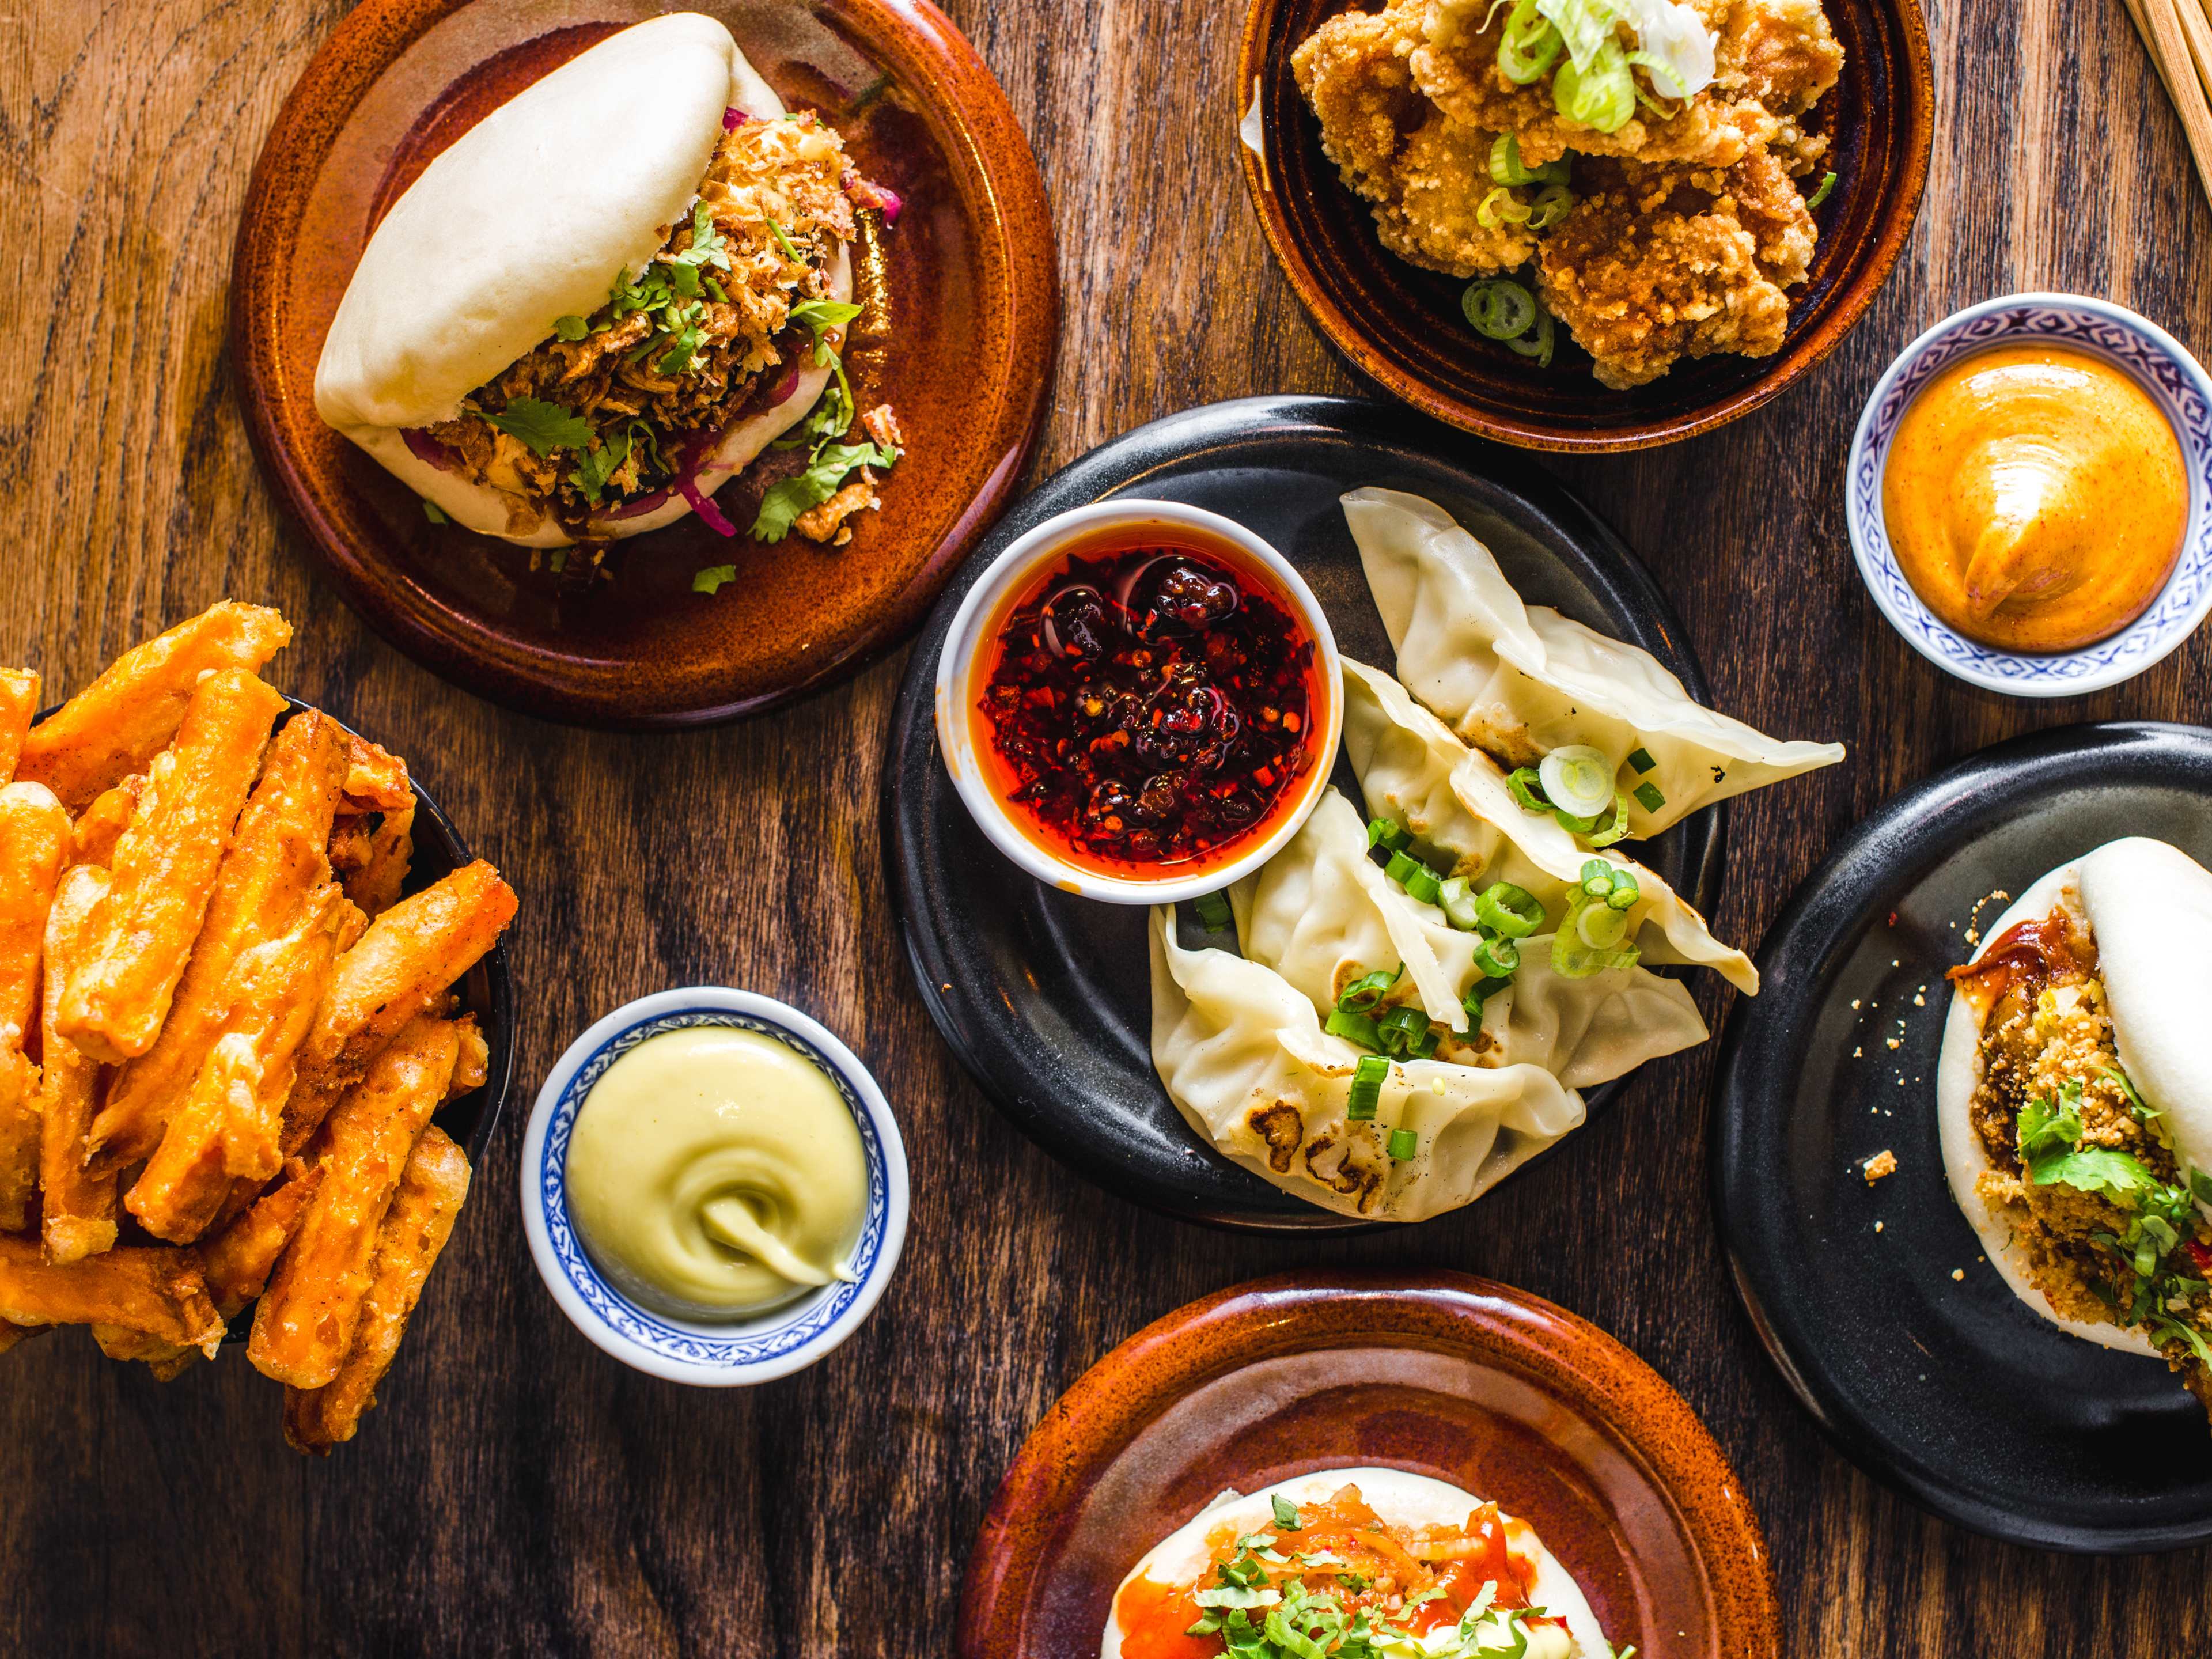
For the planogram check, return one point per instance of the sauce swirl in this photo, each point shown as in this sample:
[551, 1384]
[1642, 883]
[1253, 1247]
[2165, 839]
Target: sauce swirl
[2036, 498]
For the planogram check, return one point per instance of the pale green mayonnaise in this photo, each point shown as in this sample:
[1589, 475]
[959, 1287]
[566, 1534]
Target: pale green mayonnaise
[715, 1172]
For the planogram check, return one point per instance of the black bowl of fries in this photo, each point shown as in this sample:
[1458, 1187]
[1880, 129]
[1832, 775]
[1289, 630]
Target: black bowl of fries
[256, 1022]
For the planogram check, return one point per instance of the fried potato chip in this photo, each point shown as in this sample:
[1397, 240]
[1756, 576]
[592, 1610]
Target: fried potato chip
[415, 1231]
[117, 724]
[403, 963]
[228, 1127]
[35, 839]
[274, 863]
[304, 1323]
[237, 1260]
[148, 1288]
[140, 934]
[77, 1212]
[19, 701]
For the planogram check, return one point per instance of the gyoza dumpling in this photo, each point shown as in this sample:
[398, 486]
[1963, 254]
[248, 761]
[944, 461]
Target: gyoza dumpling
[1323, 914]
[1454, 799]
[1519, 681]
[1246, 1063]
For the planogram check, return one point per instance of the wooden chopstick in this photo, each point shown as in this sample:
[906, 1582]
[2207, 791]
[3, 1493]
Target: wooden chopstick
[2183, 56]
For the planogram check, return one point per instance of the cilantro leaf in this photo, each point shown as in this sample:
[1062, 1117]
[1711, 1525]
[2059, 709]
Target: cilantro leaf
[596, 464]
[2143, 1110]
[434, 514]
[544, 427]
[2044, 1128]
[1286, 1512]
[780, 506]
[571, 328]
[2169, 1329]
[710, 580]
[818, 317]
[2095, 1169]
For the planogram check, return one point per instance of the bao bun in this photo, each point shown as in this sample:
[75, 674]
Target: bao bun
[2148, 907]
[1400, 1499]
[590, 167]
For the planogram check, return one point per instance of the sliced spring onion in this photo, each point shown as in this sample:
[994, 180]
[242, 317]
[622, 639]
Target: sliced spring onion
[1649, 797]
[1423, 885]
[1213, 912]
[1456, 899]
[1552, 204]
[1820, 195]
[1625, 890]
[1538, 345]
[1405, 1033]
[1367, 1080]
[1402, 867]
[1497, 958]
[1353, 1027]
[1505, 167]
[1404, 1144]
[1383, 832]
[1479, 992]
[1509, 911]
[1605, 831]
[1365, 994]
[1578, 779]
[1599, 925]
[1500, 207]
[1597, 877]
[1530, 45]
[1572, 959]
[1524, 784]
[1600, 93]
[1640, 761]
[1498, 308]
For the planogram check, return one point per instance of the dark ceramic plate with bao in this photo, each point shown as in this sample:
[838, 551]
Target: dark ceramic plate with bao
[1953, 1390]
[1439, 1374]
[1046, 997]
[966, 280]
[1403, 325]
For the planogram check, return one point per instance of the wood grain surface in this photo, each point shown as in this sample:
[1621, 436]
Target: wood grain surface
[519, 1493]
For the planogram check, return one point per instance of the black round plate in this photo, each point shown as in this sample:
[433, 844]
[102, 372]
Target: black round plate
[1953, 1390]
[1045, 997]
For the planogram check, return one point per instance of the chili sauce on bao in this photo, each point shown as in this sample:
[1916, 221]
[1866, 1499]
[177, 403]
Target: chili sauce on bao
[1151, 703]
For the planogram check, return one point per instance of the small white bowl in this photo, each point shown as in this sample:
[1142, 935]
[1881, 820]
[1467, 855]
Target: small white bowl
[723, 1354]
[960, 664]
[2158, 362]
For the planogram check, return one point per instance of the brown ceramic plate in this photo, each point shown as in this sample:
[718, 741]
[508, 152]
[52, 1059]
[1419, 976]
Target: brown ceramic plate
[1437, 1373]
[966, 278]
[1403, 325]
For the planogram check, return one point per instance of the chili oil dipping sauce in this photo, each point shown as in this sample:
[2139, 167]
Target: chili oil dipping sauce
[1139, 702]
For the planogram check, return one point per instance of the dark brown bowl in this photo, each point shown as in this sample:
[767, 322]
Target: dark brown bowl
[1437, 1373]
[968, 276]
[1402, 325]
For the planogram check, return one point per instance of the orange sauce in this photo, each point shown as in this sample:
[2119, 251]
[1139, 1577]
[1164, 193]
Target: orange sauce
[2035, 497]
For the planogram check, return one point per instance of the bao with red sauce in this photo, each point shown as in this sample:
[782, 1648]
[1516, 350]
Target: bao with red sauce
[625, 287]
[2074, 1106]
[1368, 1561]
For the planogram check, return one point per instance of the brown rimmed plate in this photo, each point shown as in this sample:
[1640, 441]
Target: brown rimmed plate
[966, 281]
[1437, 1373]
[1403, 325]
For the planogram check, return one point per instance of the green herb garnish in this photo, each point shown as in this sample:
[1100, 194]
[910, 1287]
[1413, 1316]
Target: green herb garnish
[542, 426]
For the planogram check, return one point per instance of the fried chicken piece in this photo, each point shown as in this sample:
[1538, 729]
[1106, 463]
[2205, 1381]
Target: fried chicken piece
[1655, 265]
[1455, 65]
[1426, 175]
[1780, 53]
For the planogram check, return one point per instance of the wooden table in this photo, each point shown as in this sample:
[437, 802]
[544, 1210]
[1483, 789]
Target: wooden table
[519, 1492]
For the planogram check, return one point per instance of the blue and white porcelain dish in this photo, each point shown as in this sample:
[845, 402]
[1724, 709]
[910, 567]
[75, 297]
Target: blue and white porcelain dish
[2175, 381]
[723, 1353]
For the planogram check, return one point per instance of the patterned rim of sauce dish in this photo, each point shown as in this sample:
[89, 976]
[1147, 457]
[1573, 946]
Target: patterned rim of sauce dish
[2176, 381]
[737, 1352]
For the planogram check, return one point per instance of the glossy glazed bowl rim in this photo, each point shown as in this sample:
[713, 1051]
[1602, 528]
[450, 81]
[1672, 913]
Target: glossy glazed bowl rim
[961, 656]
[809, 1333]
[2038, 674]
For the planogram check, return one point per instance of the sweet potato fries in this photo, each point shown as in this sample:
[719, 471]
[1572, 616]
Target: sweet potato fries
[225, 1024]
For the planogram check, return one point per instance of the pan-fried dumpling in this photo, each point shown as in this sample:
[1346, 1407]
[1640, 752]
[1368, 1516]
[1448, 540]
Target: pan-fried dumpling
[1246, 1061]
[1399, 751]
[1519, 681]
[1322, 913]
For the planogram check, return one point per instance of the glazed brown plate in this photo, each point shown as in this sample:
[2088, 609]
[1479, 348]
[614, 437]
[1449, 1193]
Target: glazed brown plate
[964, 281]
[1403, 325]
[1437, 1373]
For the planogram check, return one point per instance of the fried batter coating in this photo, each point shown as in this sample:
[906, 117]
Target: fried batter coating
[1456, 66]
[1780, 53]
[1426, 175]
[1662, 263]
